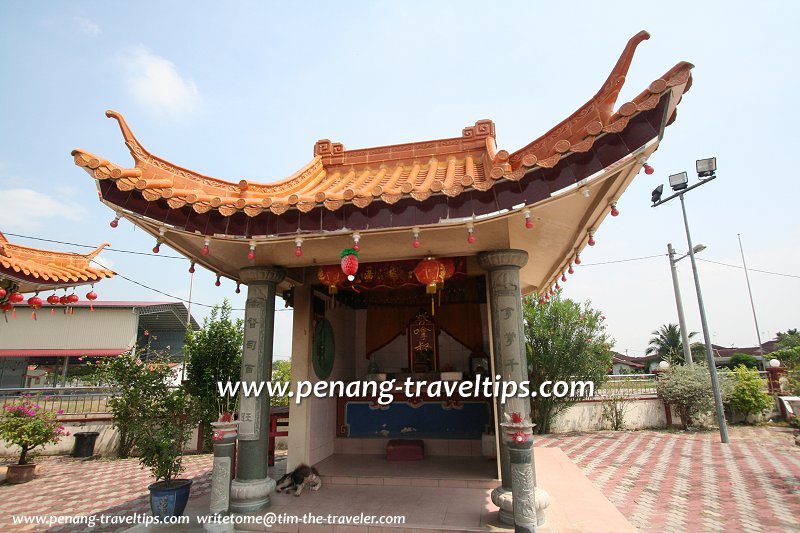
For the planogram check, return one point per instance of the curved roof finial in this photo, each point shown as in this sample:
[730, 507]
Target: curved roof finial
[606, 97]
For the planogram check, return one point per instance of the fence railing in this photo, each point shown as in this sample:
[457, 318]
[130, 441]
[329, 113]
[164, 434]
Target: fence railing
[74, 401]
[628, 385]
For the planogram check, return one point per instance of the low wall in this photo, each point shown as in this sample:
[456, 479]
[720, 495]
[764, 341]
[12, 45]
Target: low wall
[105, 445]
[588, 416]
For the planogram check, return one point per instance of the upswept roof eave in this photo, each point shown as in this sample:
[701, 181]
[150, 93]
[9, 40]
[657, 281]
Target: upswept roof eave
[388, 174]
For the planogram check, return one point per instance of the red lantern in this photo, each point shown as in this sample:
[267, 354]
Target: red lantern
[91, 296]
[16, 297]
[349, 263]
[64, 300]
[35, 302]
[571, 270]
[331, 276]
[73, 298]
[6, 307]
[577, 259]
[2, 292]
[614, 210]
[53, 300]
[648, 169]
[431, 272]
[591, 242]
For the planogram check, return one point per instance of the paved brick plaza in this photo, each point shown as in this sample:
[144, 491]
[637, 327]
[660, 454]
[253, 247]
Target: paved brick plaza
[660, 481]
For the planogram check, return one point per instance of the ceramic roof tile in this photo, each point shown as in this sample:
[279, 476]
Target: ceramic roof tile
[49, 268]
[336, 176]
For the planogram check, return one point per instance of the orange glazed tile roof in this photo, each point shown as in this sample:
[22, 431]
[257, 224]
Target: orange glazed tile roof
[420, 170]
[43, 268]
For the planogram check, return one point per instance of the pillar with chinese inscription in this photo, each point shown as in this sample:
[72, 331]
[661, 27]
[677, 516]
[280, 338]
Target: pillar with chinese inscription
[517, 496]
[252, 486]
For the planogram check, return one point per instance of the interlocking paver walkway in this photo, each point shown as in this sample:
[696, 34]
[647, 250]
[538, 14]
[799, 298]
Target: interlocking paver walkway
[688, 481]
[661, 481]
[67, 486]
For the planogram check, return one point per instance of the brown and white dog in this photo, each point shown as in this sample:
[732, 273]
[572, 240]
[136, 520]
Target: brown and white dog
[302, 477]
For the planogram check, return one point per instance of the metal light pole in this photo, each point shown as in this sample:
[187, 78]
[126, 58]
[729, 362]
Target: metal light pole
[750, 292]
[712, 367]
[678, 182]
[687, 352]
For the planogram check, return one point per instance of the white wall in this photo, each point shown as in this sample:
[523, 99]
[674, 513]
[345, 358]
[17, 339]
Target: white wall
[588, 416]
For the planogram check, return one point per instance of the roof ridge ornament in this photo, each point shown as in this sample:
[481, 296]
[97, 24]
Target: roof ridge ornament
[606, 97]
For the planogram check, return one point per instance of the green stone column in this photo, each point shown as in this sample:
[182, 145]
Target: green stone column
[516, 497]
[252, 486]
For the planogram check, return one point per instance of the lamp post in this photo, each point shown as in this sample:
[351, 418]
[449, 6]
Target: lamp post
[687, 352]
[679, 183]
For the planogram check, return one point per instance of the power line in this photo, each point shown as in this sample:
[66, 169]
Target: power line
[751, 269]
[110, 249]
[624, 260]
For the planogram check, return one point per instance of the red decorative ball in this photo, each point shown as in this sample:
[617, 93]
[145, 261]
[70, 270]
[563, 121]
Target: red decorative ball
[563, 277]
[577, 260]
[251, 254]
[614, 211]
[356, 247]
[16, 297]
[191, 268]
[53, 299]
[114, 223]
[298, 251]
[648, 169]
[35, 302]
[591, 242]
[349, 265]
[73, 298]
[416, 243]
[91, 296]
[217, 283]
[528, 223]
[64, 300]
[8, 306]
[2, 292]
[471, 238]
[204, 249]
[571, 270]
[156, 248]
[541, 301]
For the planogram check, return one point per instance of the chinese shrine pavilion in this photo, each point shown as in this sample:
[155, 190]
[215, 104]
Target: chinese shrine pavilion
[407, 260]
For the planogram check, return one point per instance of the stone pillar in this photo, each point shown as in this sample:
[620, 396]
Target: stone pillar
[250, 490]
[508, 342]
[300, 413]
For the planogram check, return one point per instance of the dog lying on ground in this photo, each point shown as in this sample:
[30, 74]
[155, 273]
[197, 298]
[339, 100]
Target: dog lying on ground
[302, 477]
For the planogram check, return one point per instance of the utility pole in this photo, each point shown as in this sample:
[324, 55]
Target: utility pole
[687, 352]
[750, 292]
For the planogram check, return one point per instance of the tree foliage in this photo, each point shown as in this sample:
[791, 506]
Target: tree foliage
[27, 425]
[742, 359]
[137, 386]
[214, 353]
[281, 373]
[667, 344]
[748, 396]
[165, 432]
[688, 388]
[565, 340]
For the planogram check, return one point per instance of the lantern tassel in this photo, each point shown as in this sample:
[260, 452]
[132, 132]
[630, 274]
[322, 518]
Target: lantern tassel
[52, 311]
[71, 310]
[33, 315]
[91, 307]
[14, 313]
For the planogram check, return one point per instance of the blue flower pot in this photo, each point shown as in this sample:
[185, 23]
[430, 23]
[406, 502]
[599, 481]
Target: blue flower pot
[169, 500]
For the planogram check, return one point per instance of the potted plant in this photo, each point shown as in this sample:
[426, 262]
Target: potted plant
[28, 426]
[160, 446]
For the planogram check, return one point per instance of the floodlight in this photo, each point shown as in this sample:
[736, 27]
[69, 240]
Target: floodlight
[678, 181]
[699, 248]
[706, 167]
[655, 196]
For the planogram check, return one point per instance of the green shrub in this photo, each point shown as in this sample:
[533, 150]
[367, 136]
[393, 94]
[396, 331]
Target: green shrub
[742, 359]
[688, 388]
[748, 396]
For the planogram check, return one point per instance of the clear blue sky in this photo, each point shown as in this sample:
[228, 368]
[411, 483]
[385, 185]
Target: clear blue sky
[244, 89]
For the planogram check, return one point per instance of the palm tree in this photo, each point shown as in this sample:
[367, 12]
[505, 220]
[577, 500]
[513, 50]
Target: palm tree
[667, 345]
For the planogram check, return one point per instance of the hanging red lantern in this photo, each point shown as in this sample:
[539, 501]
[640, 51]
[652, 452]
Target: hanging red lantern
[3, 292]
[528, 219]
[73, 298]
[6, 307]
[415, 243]
[591, 241]
[614, 210]
[114, 223]
[563, 277]
[91, 296]
[35, 303]
[298, 247]
[53, 300]
[191, 267]
[577, 259]
[16, 297]
[431, 272]
[349, 263]
[331, 276]
[648, 169]
[571, 270]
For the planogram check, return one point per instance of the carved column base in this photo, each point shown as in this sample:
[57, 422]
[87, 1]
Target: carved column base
[251, 495]
[504, 499]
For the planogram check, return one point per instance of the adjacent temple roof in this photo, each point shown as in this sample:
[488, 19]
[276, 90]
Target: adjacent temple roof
[34, 269]
[417, 176]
